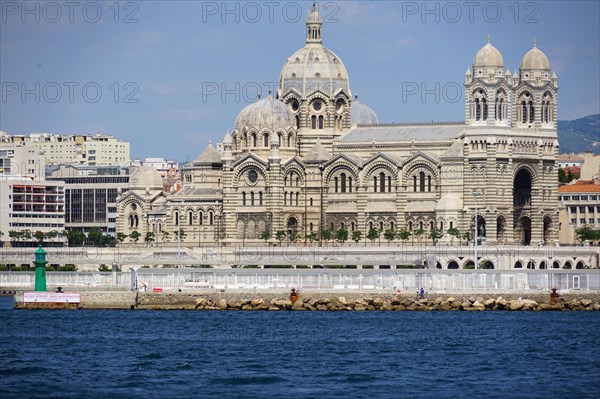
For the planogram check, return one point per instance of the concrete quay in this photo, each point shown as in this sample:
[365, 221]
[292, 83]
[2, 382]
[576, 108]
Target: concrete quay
[320, 301]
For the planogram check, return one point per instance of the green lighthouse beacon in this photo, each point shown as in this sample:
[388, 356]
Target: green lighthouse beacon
[40, 269]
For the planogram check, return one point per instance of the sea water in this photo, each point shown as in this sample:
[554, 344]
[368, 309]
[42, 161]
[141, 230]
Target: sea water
[212, 354]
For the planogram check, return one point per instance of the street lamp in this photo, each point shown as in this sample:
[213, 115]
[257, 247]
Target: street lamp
[321, 169]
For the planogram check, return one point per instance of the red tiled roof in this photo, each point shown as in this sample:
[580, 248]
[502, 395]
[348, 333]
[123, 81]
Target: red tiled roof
[580, 186]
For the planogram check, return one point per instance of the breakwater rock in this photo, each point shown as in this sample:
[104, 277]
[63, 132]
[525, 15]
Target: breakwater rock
[362, 302]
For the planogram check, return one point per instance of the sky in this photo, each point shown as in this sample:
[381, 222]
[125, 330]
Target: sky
[170, 76]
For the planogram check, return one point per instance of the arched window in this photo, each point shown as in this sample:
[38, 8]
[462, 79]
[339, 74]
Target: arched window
[211, 218]
[297, 199]
[421, 225]
[243, 199]
[531, 112]
[410, 226]
[391, 225]
[266, 140]
[422, 181]
[313, 121]
[297, 122]
[428, 182]
[431, 225]
[285, 199]
[485, 109]
[389, 184]
[252, 198]
[343, 176]
[374, 183]
[176, 218]
[477, 110]
[260, 198]
[289, 139]
[382, 182]
[253, 140]
[380, 226]
[200, 218]
[349, 184]
[524, 112]
[310, 200]
[415, 183]
[321, 122]
[352, 226]
[311, 227]
[190, 218]
[335, 182]
[370, 225]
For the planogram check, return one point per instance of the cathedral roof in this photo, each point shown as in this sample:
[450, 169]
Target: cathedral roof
[317, 154]
[363, 114]
[535, 59]
[145, 177]
[268, 112]
[387, 133]
[209, 156]
[488, 55]
[455, 150]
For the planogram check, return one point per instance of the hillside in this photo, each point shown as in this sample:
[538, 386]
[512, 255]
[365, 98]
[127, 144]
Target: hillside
[580, 135]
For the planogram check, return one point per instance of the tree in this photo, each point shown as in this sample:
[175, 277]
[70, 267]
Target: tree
[165, 235]
[389, 235]
[326, 235]
[74, 238]
[467, 236]
[341, 235]
[404, 234]
[562, 177]
[122, 236]
[586, 233]
[108, 241]
[95, 237]
[295, 237]
[265, 235]
[280, 236]
[453, 233]
[39, 236]
[373, 234]
[14, 235]
[135, 236]
[419, 233]
[52, 234]
[356, 236]
[26, 234]
[149, 237]
[435, 234]
[312, 236]
[182, 234]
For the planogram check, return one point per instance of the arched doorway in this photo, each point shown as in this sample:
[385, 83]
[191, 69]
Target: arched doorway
[292, 227]
[555, 265]
[543, 264]
[547, 229]
[469, 264]
[518, 265]
[579, 265]
[438, 265]
[525, 230]
[522, 189]
[567, 265]
[453, 265]
[488, 264]
[501, 229]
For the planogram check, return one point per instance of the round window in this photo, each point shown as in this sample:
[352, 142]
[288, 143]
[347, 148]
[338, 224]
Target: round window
[317, 105]
[252, 176]
[295, 105]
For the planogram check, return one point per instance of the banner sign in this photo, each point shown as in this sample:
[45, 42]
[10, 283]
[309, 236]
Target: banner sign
[51, 297]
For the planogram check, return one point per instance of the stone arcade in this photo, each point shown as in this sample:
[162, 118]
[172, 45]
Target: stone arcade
[313, 157]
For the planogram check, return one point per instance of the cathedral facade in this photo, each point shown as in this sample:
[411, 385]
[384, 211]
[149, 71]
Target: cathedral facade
[312, 157]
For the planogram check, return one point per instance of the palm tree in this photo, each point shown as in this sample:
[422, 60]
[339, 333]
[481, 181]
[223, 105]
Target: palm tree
[389, 235]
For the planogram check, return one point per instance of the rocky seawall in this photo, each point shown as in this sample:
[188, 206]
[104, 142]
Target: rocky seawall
[323, 302]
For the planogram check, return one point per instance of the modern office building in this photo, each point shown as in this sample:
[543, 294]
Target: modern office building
[90, 194]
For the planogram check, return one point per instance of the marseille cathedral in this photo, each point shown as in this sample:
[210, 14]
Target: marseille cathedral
[312, 157]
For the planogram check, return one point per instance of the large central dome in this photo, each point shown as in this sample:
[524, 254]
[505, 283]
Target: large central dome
[314, 67]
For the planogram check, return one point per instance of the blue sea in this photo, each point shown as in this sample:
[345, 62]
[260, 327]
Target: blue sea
[199, 354]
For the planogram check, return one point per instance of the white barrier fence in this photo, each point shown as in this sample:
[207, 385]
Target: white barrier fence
[315, 280]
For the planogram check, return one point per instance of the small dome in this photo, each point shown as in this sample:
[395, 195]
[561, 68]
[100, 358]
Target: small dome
[227, 139]
[488, 56]
[535, 59]
[449, 202]
[268, 112]
[144, 177]
[363, 114]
